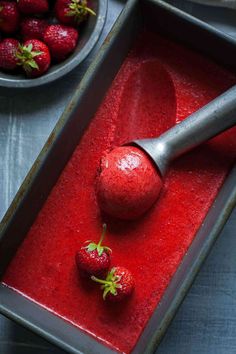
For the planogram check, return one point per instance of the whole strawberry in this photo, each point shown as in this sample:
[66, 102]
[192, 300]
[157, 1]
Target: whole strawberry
[94, 259]
[33, 28]
[9, 17]
[61, 40]
[118, 285]
[72, 12]
[33, 7]
[8, 54]
[34, 56]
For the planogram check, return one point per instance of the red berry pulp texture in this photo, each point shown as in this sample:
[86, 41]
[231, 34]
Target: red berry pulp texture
[143, 101]
[128, 183]
[33, 7]
[8, 50]
[33, 28]
[9, 17]
[92, 263]
[61, 40]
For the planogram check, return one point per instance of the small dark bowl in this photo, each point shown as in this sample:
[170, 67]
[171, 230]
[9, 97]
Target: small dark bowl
[89, 36]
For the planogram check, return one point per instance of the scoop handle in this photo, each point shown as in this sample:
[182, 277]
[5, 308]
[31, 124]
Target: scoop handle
[207, 122]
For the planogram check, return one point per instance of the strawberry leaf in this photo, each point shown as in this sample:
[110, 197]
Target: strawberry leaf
[113, 291]
[91, 247]
[79, 10]
[71, 13]
[36, 53]
[33, 64]
[26, 57]
[29, 47]
[110, 284]
[105, 292]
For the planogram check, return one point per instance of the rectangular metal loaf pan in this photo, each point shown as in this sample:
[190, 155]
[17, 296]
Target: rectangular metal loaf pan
[162, 18]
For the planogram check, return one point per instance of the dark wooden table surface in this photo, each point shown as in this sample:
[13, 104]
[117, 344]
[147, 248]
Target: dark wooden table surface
[206, 321]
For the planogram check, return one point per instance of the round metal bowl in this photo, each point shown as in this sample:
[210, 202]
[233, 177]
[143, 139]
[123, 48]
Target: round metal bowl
[89, 35]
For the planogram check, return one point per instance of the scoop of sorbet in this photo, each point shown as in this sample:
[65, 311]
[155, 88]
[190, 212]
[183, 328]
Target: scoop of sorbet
[128, 183]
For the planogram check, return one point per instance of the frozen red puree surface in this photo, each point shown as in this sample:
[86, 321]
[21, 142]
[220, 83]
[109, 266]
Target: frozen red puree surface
[159, 84]
[128, 183]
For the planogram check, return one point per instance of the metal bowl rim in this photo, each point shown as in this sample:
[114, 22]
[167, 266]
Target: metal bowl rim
[70, 65]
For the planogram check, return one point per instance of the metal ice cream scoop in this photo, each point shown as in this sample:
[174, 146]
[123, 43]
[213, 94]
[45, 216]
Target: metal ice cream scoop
[209, 121]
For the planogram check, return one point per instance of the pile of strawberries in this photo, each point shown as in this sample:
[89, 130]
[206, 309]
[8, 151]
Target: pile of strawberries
[94, 260]
[35, 33]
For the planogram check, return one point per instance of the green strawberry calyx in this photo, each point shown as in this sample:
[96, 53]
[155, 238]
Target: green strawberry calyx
[79, 10]
[92, 246]
[26, 56]
[110, 284]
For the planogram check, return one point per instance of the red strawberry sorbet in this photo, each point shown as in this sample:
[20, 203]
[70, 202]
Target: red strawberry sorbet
[128, 183]
[159, 85]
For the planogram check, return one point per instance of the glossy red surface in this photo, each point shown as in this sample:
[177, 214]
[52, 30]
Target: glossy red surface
[159, 84]
[128, 183]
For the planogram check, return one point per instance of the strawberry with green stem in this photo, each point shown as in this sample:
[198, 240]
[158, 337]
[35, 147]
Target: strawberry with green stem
[72, 12]
[94, 258]
[34, 57]
[118, 285]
